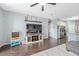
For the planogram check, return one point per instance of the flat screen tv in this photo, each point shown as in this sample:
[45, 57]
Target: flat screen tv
[34, 28]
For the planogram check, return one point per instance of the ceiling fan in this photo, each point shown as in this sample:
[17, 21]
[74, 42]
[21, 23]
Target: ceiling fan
[42, 8]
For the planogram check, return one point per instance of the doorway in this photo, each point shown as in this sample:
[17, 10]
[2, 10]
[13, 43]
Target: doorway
[61, 34]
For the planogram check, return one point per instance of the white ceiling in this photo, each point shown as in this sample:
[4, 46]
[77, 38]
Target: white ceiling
[60, 11]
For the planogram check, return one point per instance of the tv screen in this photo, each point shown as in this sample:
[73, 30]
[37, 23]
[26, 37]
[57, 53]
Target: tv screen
[34, 28]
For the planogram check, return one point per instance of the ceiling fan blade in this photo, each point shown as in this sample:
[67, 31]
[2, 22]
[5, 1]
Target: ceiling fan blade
[33, 4]
[42, 8]
[52, 3]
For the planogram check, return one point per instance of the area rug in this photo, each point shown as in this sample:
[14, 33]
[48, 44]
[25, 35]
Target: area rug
[56, 51]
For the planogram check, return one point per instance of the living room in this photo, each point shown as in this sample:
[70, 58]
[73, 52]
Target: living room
[45, 27]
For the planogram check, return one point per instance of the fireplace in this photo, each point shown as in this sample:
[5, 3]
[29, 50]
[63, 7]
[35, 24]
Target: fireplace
[35, 38]
[32, 37]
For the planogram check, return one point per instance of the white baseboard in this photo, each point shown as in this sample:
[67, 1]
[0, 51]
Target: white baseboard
[4, 44]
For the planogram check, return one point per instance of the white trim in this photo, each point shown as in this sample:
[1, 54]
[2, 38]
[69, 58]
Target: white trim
[4, 44]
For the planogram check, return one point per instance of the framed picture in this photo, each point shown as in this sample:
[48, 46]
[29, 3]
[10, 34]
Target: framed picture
[15, 34]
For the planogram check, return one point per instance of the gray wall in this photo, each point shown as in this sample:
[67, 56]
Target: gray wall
[9, 22]
[1, 27]
[14, 22]
[53, 29]
[71, 34]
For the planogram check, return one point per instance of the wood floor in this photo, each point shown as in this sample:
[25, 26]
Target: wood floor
[26, 50]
